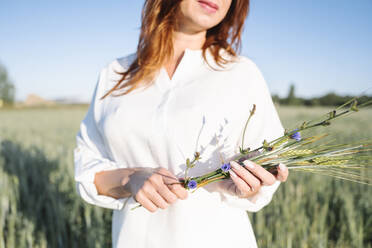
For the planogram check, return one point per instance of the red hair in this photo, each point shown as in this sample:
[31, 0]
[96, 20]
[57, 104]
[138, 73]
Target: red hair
[159, 19]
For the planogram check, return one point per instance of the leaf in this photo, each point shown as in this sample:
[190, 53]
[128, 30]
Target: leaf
[354, 106]
[188, 164]
[326, 123]
[332, 114]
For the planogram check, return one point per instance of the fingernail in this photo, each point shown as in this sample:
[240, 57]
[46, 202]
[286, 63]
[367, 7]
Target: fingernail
[234, 165]
[249, 164]
[232, 173]
[282, 166]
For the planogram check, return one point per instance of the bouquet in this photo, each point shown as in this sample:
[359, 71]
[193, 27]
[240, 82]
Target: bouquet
[299, 152]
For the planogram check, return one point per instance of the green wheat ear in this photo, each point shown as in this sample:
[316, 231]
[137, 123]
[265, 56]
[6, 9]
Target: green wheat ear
[251, 113]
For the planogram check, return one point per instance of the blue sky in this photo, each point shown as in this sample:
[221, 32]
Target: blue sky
[57, 48]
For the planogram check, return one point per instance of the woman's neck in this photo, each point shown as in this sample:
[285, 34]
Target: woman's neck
[181, 41]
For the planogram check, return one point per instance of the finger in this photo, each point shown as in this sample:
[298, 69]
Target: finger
[240, 184]
[157, 199]
[167, 176]
[282, 173]
[154, 196]
[266, 177]
[244, 174]
[145, 202]
[157, 181]
[180, 191]
[167, 194]
[163, 181]
[173, 183]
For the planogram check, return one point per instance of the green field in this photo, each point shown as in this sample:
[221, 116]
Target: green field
[39, 206]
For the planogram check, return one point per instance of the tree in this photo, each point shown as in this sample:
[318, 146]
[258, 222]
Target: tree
[291, 97]
[291, 94]
[7, 89]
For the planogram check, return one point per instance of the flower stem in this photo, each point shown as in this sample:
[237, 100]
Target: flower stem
[246, 123]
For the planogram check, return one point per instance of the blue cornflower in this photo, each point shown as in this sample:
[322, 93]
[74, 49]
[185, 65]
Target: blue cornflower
[226, 167]
[192, 184]
[296, 135]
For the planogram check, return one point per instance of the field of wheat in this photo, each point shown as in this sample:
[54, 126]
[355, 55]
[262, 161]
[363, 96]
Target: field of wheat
[39, 206]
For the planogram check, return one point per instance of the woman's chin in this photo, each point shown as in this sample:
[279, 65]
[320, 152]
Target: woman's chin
[206, 22]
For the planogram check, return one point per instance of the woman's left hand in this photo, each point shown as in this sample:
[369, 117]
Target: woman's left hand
[247, 180]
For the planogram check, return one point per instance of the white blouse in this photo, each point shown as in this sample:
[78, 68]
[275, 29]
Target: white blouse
[199, 109]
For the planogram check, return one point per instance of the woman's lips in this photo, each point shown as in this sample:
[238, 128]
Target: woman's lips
[208, 6]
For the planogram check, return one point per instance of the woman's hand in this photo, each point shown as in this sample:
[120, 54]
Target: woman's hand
[152, 187]
[156, 188]
[247, 180]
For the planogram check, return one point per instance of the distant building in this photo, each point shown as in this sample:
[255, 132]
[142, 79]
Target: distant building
[35, 100]
[70, 100]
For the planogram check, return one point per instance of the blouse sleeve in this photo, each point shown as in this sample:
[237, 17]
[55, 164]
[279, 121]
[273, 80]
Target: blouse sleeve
[90, 154]
[264, 125]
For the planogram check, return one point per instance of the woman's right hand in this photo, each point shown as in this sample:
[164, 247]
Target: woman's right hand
[156, 188]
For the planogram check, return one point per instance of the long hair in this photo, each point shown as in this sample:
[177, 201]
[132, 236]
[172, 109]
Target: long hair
[155, 44]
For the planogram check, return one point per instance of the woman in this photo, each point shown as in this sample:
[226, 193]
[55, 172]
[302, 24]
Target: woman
[184, 90]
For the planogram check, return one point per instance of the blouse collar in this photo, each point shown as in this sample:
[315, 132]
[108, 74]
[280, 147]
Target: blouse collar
[189, 67]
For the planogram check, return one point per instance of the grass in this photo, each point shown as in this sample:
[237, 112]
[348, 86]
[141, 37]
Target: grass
[39, 206]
